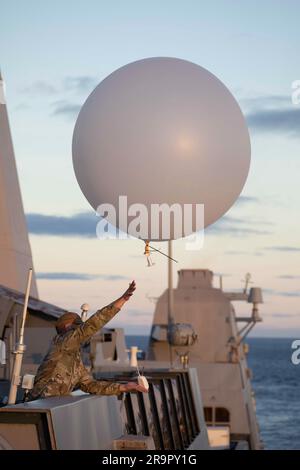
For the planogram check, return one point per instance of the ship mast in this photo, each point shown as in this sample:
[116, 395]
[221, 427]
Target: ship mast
[15, 252]
[170, 296]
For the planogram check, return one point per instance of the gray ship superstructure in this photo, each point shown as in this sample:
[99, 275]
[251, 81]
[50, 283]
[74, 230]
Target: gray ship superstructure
[218, 354]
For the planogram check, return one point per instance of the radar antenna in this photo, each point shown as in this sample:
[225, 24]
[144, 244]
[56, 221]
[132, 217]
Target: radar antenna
[247, 281]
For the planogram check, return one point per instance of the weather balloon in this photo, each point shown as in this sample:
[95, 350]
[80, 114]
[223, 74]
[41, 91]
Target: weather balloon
[161, 131]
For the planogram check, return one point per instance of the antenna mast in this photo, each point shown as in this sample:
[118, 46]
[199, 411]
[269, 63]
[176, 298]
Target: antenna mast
[20, 349]
[170, 297]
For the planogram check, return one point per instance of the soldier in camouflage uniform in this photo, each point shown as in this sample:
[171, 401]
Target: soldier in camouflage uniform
[62, 369]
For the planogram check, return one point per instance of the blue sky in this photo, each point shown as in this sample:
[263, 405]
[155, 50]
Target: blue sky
[52, 54]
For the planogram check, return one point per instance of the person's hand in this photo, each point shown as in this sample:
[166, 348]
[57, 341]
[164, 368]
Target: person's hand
[133, 387]
[128, 293]
[126, 296]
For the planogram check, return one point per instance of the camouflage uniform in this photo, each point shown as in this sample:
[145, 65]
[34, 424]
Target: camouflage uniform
[62, 369]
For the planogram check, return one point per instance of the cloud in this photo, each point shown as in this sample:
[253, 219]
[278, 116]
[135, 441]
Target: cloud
[67, 108]
[285, 248]
[289, 294]
[271, 120]
[247, 200]
[63, 108]
[281, 293]
[82, 225]
[234, 226]
[77, 84]
[242, 253]
[282, 315]
[40, 87]
[274, 114]
[113, 277]
[79, 225]
[244, 220]
[266, 101]
[80, 83]
[288, 276]
[62, 276]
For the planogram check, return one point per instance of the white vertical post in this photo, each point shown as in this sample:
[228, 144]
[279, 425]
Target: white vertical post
[20, 349]
[170, 296]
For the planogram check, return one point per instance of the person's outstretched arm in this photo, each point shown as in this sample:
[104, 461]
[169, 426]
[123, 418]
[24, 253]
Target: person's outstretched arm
[85, 331]
[100, 387]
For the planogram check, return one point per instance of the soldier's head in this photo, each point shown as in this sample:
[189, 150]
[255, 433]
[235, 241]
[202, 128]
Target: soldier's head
[68, 321]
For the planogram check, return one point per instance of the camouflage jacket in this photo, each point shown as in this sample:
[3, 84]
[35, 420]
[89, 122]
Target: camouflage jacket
[62, 369]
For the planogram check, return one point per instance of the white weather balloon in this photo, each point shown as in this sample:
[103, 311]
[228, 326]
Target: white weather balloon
[162, 130]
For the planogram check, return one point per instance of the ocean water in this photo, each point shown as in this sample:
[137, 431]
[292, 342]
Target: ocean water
[276, 382]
